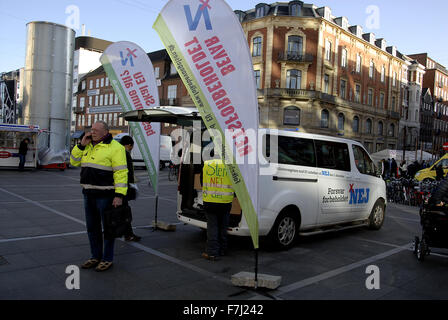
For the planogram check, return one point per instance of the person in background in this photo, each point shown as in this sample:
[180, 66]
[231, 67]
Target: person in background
[23, 150]
[128, 144]
[393, 168]
[104, 178]
[403, 169]
[217, 196]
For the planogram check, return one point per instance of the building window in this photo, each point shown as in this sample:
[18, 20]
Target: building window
[91, 84]
[393, 103]
[97, 83]
[172, 94]
[344, 58]
[358, 63]
[355, 124]
[392, 130]
[83, 85]
[380, 128]
[257, 75]
[369, 126]
[291, 116]
[82, 103]
[343, 90]
[328, 50]
[173, 69]
[295, 46]
[96, 101]
[102, 82]
[358, 93]
[157, 72]
[257, 46]
[116, 100]
[324, 117]
[293, 79]
[394, 79]
[260, 12]
[90, 101]
[107, 81]
[111, 98]
[371, 69]
[89, 120]
[101, 100]
[370, 97]
[326, 83]
[383, 74]
[106, 99]
[382, 100]
[341, 122]
[294, 10]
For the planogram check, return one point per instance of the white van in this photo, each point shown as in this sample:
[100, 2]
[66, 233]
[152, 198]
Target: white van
[321, 184]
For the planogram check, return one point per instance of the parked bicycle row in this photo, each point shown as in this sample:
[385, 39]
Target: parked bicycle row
[410, 191]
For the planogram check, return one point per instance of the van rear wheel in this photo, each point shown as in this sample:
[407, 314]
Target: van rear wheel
[285, 230]
[376, 218]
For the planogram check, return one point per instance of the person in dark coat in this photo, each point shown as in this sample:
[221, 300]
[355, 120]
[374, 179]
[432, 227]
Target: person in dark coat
[128, 144]
[439, 172]
[440, 195]
[23, 150]
[393, 168]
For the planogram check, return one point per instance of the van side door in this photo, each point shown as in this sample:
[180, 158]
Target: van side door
[295, 182]
[334, 168]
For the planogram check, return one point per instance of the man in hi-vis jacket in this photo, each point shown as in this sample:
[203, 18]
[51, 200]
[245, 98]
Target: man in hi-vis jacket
[104, 178]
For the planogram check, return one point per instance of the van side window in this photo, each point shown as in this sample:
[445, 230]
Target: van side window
[332, 155]
[363, 162]
[293, 151]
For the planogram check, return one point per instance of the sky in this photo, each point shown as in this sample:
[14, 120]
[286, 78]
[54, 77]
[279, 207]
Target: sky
[412, 26]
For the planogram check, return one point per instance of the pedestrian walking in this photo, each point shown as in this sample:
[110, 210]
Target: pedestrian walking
[128, 143]
[23, 150]
[218, 195]
[393, 168]
[104, 178]
[403, 169]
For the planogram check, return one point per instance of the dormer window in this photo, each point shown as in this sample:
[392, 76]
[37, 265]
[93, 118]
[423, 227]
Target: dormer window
[261, 10]
[295, 9]
[240, 14]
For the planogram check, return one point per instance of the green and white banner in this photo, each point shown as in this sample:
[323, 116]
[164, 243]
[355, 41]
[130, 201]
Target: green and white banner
[209, 49]
[131, 75]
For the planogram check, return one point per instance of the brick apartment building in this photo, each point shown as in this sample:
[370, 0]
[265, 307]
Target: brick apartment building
[96, 99]
[436, 82]
[317, 74]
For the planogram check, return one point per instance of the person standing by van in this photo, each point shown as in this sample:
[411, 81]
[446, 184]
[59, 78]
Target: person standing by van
[128, 143]
[218, 195]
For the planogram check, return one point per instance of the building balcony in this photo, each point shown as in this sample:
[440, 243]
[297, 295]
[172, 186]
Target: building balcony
[300, 94]
[295, 57]
[394, 115]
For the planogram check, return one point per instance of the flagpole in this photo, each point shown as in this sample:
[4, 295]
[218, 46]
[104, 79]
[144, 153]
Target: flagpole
[157, 182]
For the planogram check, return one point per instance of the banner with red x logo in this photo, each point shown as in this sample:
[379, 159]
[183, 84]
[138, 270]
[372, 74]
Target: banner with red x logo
[208, 46]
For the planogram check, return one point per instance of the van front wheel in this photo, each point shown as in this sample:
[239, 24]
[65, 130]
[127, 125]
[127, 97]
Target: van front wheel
[285, 230]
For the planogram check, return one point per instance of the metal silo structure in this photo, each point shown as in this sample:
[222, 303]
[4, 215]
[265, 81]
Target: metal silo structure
[48, 87]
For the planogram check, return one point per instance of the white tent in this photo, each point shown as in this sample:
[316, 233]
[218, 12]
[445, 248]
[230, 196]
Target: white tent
[398, 155]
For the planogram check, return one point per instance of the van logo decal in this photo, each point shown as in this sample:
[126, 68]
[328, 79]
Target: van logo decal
[359, 196]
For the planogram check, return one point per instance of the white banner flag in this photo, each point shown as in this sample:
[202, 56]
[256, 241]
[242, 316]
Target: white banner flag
[131, 75]
[209, 49]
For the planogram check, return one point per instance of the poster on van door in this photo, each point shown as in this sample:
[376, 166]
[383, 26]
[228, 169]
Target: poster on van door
[210, 52]
[131, 75]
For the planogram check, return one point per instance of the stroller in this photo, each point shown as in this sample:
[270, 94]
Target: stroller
[434, 221]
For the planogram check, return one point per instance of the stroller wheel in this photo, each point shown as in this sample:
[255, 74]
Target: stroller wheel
[421, 250]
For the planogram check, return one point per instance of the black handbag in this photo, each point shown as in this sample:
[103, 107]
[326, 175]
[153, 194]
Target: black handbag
[117, 221]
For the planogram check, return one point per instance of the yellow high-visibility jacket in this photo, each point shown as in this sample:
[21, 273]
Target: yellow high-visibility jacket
[217, 186]
[104, 167]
